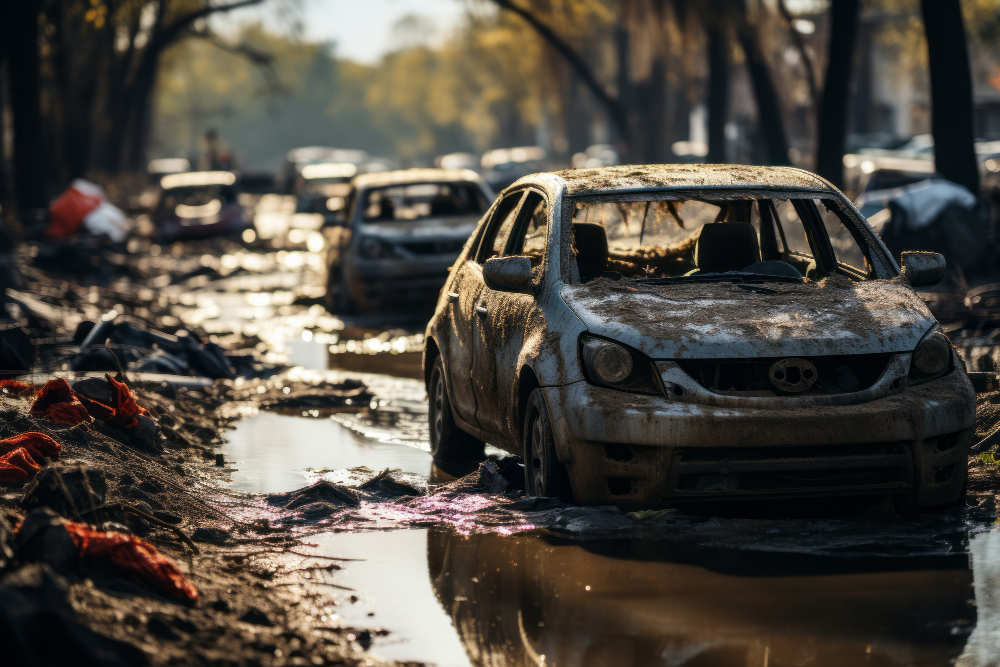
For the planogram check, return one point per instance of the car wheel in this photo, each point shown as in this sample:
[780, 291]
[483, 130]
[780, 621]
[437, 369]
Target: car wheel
[448, 441]
[337, 300]
[544, 474]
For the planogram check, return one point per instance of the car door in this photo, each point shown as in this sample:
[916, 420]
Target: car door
[464, 296]
[500, 323]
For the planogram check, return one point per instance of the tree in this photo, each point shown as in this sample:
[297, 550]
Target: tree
[951, 92]
[24, 75]
[770, 118]
[81, 80]
[831, 125]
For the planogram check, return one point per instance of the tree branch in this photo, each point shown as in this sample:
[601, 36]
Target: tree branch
[800, 45]
[576, 61]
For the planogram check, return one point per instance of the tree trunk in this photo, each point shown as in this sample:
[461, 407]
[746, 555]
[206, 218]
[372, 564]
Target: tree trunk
[718, 94]
[831, 124]
[951, 92]
[770, 119]
[24, 72]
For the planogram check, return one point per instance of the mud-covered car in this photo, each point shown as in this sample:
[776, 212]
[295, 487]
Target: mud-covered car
[198, 204]
[648, 336]
[399, 235]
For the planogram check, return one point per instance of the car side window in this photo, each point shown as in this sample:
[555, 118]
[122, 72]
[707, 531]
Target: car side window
[531, 240]
[793, 231]
[500, 227]
[846, 247]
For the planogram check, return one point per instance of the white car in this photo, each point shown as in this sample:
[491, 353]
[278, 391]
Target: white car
[654, 335]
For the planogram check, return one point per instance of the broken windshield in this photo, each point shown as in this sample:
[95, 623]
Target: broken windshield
[743, 239]
[400, 203]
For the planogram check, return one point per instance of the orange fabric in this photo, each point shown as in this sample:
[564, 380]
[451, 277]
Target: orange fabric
[17, 465]
[39, 445]
[68, 211]
[96, 409]
[56, 401]
[124, 405]
[54, 391]
[137, 557]
[16, 388]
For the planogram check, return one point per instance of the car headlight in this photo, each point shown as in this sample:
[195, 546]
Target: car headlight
[932, 358]
[614, 365]
[373, 248]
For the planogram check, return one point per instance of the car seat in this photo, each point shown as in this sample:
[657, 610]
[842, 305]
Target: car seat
[591, 249]
[726, 246]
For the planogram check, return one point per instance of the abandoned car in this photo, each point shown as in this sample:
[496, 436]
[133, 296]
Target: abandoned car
[649, 336]
[399, 233]
[199, 204]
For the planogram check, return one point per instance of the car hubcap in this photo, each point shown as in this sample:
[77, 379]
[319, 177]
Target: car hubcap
[537, 445]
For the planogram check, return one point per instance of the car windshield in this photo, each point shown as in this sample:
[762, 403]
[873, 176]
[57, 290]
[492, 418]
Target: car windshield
[747, 238]
[198, 200]
[416, 201]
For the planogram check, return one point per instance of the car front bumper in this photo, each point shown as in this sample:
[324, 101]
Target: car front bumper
[637, 451]
[384, 283]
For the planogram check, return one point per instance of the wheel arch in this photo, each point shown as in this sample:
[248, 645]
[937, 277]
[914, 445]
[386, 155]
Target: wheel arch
[527, 382]
[431, 353]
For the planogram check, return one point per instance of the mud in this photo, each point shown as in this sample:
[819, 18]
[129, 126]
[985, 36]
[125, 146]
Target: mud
[466, 570]
[632, 177]
[717, 320]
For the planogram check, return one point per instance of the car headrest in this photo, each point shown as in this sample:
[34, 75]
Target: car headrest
[726, 246]
[591, 249]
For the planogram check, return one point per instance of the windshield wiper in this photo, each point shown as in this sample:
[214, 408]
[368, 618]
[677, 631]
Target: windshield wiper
[732, 277]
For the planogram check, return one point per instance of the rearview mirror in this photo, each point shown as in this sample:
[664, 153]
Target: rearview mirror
[508, 274]
[923, 269]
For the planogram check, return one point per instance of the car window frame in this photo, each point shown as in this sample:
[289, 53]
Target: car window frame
[490, 228]
[882, 264]
[521, 224]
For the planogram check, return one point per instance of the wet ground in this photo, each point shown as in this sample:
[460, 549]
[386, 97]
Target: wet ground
[471, 579]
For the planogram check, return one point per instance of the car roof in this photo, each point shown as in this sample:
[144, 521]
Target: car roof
[411, 176]
[626, 178]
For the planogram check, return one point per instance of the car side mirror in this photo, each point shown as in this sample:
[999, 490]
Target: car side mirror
[508, 274]
[923, 269]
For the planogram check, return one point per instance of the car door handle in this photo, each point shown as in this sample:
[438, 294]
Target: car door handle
[481, 311]
[452, 297]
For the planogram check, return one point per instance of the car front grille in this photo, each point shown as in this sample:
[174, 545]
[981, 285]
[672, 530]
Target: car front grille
[837, 374]
[755, 471]
[452, 247]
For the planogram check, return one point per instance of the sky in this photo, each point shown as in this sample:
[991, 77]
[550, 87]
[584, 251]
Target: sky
[362, 29]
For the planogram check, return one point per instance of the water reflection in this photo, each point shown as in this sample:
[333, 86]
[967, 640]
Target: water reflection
[529, 599]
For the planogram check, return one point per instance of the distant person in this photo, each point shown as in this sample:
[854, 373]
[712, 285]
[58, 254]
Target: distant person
[215, 157]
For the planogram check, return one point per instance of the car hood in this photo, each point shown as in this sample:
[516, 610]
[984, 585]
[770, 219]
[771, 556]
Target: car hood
[452, 227]
[727, 321]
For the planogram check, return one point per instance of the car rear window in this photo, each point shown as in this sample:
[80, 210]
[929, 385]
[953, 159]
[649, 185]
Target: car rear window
[704, 237]
[419, 201]
[207, 196]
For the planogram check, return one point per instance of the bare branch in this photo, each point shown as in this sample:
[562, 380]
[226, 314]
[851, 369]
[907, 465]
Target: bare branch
[576, 61]
[800, 45]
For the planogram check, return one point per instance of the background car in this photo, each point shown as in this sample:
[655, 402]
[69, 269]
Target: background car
[655, 335]
[400, 233]
[198, 204]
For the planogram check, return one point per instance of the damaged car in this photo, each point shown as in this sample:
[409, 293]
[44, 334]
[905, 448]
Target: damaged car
[199, 204]
[399, 235]
[659, 335]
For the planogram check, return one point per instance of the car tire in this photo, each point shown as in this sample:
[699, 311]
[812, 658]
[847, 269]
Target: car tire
[448, 441]
[337, 300]
[544, 473]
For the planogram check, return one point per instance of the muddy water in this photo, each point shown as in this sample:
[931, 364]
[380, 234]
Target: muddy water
[585, 591]
[746, 593]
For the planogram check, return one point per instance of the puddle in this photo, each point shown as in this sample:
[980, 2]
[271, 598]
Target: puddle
[392, 583]
[274, 453]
